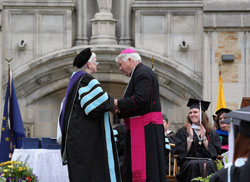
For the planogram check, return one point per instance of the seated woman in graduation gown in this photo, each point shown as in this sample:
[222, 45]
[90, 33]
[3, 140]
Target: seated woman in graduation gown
[222, 128]
[197, 145]
[239, 170]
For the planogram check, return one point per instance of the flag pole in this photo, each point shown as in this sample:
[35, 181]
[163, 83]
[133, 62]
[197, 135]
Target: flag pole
[219, 69]
[200, 112]
[10, 110]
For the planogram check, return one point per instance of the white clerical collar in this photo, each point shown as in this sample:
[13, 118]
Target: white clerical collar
[196, 127]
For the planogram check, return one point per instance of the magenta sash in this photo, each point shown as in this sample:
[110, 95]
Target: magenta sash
[138, 152]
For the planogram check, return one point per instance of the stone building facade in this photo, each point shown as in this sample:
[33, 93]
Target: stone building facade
[185, 39]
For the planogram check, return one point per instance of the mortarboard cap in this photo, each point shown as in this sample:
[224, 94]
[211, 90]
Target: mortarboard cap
[241, 117]
[82, 58]
[194, 103]
[222, 110]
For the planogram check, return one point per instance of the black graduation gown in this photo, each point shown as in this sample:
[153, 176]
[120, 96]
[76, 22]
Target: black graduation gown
[190, 169]
[141, 97]
[224, 142]
[224, 139]
[245, 172]
[87, 135]
[237, 174]
[120, 138]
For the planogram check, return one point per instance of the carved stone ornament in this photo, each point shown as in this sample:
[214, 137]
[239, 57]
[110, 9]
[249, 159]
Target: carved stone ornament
[104, 6]
[22, 45]
[183, 45]
[43, 79]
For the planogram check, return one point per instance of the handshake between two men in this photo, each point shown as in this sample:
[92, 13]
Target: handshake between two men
[116, 108]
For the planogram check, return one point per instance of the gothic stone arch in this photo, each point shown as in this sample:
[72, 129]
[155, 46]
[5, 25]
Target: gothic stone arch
[41, 84]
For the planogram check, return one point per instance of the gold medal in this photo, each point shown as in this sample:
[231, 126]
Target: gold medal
[200, 141]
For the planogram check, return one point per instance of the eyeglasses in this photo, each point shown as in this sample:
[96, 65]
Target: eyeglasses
[96, 63]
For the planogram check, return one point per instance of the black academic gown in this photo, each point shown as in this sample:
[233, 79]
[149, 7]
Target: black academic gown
[121, 143]
[224, 142]
[141, 97]
[87, 135]
[190, 169]
[237, 174]
[224, 139]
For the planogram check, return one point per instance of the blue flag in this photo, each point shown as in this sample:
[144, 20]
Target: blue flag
[17, 128]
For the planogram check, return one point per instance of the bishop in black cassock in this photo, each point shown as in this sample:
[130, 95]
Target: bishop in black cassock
[141, 109]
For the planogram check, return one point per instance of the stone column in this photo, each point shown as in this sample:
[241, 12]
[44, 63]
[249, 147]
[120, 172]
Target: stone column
[103, 24]
[81, 19]
[207, 66]
[125, 7]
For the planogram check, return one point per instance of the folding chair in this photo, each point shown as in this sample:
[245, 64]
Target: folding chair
[171, 177]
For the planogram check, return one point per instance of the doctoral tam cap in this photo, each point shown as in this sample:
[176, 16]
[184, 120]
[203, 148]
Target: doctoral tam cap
[82, 58]
[222, 110]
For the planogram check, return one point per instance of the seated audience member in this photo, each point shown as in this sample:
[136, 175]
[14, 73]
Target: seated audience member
[196, 144]
[120, 139]
[166, 124]
[239, 171]
[222, 128]
[169, 138]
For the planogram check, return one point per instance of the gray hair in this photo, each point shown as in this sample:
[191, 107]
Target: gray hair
[124, 57]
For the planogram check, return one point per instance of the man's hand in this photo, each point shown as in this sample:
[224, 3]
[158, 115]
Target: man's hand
[116, 109]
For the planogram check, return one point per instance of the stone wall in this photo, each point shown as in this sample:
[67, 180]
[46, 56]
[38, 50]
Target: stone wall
[171, 30]
[31, 30]
[186, 40]
[226, 31]
[228, 43]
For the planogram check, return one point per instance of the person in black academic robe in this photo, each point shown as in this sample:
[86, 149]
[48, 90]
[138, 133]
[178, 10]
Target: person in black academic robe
[222, 128]
[237, 173]
[239, 170]
[120, 140]
[141, 99]
[169, 139]
[196, 144]
[88, 146]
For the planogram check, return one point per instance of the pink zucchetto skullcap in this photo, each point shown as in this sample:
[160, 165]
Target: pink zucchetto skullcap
[127, 51]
